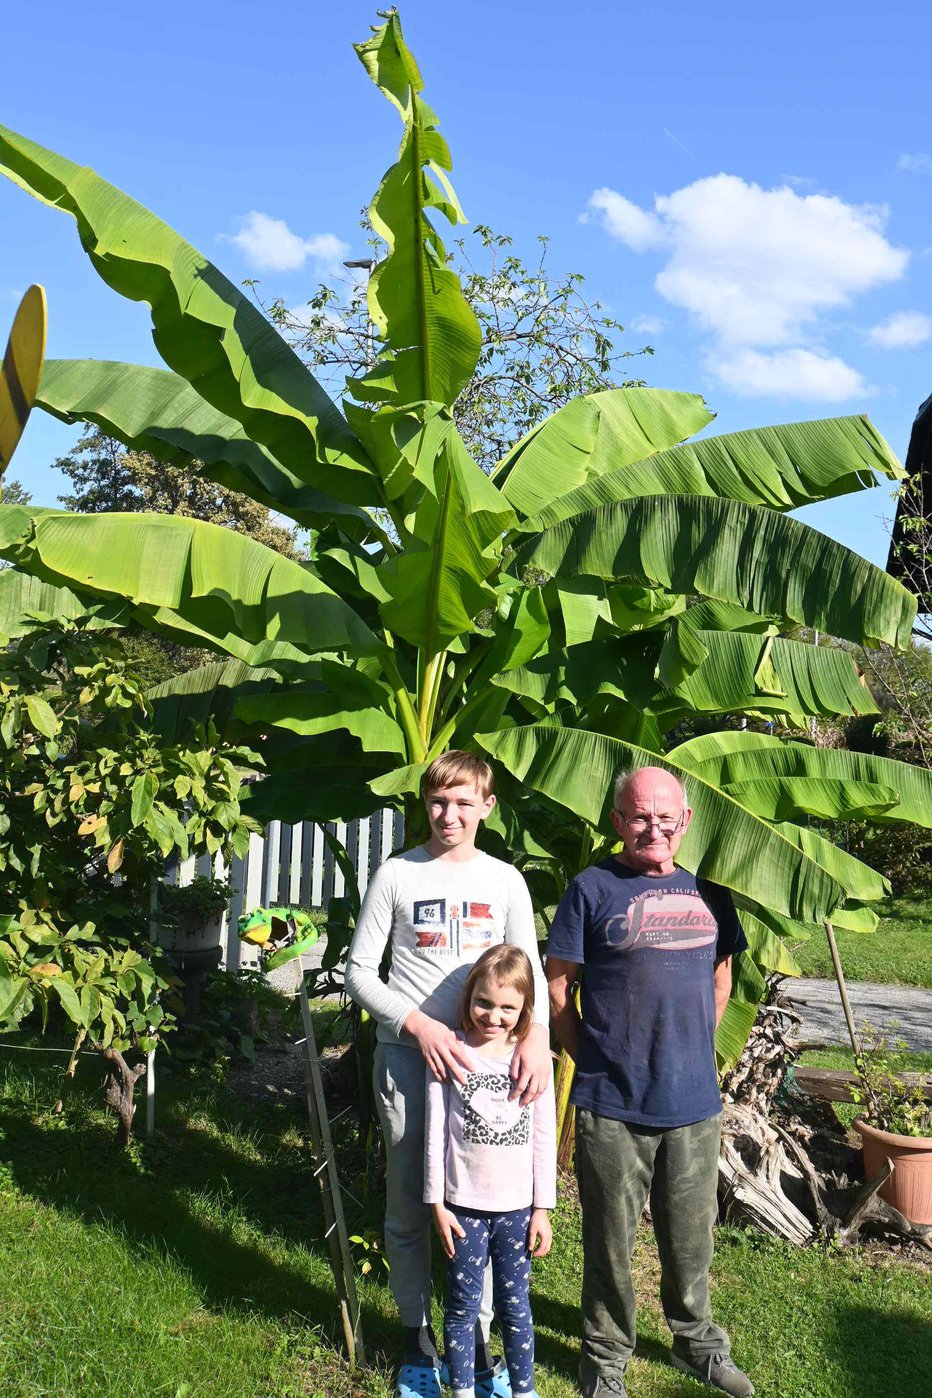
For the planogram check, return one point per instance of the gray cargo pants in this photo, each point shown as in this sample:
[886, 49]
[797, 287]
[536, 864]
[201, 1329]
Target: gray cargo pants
[400, 1075]
[618, 1164]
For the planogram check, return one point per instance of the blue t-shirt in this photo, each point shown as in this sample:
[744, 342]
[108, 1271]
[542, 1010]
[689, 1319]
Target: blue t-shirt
[648, 946]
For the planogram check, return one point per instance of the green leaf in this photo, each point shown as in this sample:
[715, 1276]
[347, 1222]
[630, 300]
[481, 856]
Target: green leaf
[723, 758]
[203, 326]
[797, 678]
[145, 788]
[796, 798]
[42, 716]
[343, 708]
[214, 581]
[724, 842]
[431, 336]
[775, 467]
[156, 411]
[773, 565]
[592, 435]
[210, 692]
[23, 597]
[733, 1030]
[438, 584]
[70, 1002]
[769, 950]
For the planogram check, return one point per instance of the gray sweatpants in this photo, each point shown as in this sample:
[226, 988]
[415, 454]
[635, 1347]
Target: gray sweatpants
[400, 1088]
[618, 1165]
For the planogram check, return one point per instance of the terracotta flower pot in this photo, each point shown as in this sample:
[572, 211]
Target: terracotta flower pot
[909, 1188]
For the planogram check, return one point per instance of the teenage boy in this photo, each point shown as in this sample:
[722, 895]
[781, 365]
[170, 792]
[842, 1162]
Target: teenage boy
[439, 907]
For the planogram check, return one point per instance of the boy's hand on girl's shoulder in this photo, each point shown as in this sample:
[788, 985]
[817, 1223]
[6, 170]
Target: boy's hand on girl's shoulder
[532, 1067]
[446, 1224]
[539, 1234]
[443, 1052]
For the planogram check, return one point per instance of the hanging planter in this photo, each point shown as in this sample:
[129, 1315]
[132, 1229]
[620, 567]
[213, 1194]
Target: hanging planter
[190, 917]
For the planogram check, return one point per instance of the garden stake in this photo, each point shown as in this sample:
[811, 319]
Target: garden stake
[341, 1259]
[846, 1005]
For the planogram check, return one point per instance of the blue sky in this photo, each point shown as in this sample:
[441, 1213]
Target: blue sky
[748, 192]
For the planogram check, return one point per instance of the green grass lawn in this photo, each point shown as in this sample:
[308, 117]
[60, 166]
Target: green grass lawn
[898, 953]
[195, 1265]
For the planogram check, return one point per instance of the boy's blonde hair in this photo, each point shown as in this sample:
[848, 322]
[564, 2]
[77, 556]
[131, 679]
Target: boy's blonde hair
[458, 769]
[505, 965]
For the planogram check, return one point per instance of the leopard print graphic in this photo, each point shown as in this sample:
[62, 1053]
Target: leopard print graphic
[491, 1127]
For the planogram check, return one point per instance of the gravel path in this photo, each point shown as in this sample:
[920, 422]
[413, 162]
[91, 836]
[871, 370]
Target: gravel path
[900, 1011]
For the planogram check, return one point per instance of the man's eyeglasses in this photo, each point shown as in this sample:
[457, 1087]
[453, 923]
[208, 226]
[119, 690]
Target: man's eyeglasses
[642, 824]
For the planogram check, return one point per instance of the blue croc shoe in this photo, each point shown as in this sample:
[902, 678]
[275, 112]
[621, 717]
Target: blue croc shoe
[493, 1383]
[417, 1381]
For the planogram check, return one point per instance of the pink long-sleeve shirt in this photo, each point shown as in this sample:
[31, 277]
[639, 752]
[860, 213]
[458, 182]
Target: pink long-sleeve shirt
[482, 1151]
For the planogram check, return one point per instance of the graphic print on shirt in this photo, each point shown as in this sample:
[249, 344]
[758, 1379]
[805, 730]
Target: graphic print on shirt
[489, 1118]
[663, 920]
[454, 927]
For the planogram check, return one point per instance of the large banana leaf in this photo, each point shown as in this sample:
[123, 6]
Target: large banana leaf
[23, 597]
[156, 411]
[594, 434]
[431, 336]
[797, 798]
[724, 842]
[860, 881]
[438, 585]
[216, 581]
[209, 692]
[777, 467]
[771, 564]
[204, 327]
[741, 672]
[724, 758]
[351, 701]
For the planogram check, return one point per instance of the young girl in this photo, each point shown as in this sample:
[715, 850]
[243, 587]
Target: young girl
[490, 1171]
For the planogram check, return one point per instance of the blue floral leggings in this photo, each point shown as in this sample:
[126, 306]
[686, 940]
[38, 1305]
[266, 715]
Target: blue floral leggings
[503, 1238]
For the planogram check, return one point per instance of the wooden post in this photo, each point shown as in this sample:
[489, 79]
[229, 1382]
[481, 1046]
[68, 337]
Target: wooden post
[846, 1006]
[341, 1259]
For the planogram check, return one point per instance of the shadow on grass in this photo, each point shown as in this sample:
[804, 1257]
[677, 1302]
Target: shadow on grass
[884, 1352]
[193, 1196]
[562, 1354]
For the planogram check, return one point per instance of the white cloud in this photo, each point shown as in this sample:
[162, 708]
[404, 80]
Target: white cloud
[755, 265]
[790, 373]
[904, 330]
[269, 245]
[645, 325]
[915, 163]
[626, 222]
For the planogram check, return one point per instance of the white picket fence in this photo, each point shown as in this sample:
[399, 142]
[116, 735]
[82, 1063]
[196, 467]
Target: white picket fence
[293, 865]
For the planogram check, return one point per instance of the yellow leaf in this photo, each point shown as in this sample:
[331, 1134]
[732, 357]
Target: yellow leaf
[115, 857]
[92, 823]
[46, 968]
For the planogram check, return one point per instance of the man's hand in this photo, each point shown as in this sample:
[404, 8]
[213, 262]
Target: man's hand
[446, 1225]
[532, 1067]
[539, 1234]
[443, 1052]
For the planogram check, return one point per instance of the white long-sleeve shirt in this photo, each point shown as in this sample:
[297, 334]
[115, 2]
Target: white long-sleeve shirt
[481, 1150]
[440, 916]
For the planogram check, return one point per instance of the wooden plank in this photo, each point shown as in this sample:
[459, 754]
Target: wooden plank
[834, 1085]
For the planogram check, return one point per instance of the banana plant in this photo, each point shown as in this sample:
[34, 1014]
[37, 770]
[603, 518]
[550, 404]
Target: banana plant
[614, 574]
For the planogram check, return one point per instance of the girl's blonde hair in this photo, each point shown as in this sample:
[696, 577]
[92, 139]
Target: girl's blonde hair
[505, 965]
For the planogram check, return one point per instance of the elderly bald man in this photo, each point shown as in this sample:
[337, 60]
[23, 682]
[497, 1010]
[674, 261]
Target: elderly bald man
[654, 946]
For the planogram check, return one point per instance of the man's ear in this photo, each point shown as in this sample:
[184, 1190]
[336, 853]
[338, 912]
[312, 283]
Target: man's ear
[487, 808]
[687, 817]
[616, 824]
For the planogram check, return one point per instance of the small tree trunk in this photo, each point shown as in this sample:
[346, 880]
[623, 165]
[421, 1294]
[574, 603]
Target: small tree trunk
[69, 1071]
[119, 1086]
